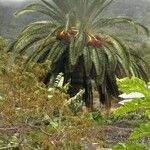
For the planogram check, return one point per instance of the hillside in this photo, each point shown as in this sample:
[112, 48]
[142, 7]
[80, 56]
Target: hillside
[10, 26]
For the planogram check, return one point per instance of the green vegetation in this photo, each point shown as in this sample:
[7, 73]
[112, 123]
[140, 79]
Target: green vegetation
[34, 116]
[53, 74]
[135, 85]
[75, 36]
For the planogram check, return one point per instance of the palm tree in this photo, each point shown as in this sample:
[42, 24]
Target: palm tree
[75, 43]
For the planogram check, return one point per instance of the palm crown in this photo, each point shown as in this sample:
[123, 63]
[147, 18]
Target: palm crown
[74, 35]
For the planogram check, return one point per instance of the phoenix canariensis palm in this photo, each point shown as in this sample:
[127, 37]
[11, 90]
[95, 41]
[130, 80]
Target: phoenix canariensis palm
[74, 42]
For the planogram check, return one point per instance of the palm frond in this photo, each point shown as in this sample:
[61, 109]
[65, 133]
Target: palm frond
[122, 52]
[111, 57]
[33, 8]
[37, 26]
[120, 20]
[39, 8]
[21, 46]
[137, 67]
[99, 60]
[87, 60]
[76, 48]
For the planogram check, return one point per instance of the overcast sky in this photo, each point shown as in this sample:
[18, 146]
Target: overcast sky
[12, 0]
[18, 1]
[8, 2]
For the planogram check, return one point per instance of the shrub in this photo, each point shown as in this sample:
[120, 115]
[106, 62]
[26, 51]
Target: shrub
[2, 43]
[36, 116]
[128, 85]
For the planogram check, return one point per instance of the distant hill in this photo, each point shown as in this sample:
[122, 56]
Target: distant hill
[10, 26]
[137, 9]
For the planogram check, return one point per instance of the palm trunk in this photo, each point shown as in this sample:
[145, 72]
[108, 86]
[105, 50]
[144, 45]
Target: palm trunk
[79, 80]
[76, 79]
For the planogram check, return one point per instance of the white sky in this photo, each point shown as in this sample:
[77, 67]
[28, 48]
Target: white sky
[7, 2]
[12, 0]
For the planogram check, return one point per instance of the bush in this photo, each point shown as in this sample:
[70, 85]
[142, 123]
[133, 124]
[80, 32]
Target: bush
[36, 116]
[2, 43]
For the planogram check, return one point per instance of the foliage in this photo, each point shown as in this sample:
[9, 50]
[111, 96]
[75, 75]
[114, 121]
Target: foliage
[74, 36]
[147, 59]
[130, 146]
[34, 116]
[2, 44]
[76, 103]
[59, 83]
[97, 116]
[134, 84]
[143, 130]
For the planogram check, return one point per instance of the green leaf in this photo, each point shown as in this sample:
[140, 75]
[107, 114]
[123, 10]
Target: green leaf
[142, 131]
[123, 20]
[122, 52]
[129, 107]
[111, 57]
[55, 51]
[148, 113]
[130, 146]
[75, 103]
[133, 84]
[76, 48]
[87, 60]
[33, 8]
[98, 59]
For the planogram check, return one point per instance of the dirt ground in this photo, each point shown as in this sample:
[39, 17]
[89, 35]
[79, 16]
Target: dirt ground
[117, 132]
